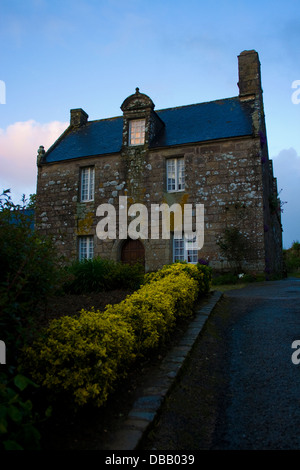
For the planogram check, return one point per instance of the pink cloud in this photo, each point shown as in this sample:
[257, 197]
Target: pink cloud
[19, 143]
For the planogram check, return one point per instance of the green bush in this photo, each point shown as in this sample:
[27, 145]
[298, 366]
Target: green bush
[18, 420]
[292, 257]
[97, 274]
[28, 273]
[230, 278]
[253, 277]
[227, 278]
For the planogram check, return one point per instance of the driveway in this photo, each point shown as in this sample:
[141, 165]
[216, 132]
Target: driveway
[239, 388]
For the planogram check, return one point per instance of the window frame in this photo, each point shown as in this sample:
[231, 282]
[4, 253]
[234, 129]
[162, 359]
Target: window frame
[184, 256]
[90, 184]
[89, 248]
[177, 162]
[132, 134]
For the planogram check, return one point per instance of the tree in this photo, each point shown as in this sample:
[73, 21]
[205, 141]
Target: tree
[28, 272]
[234, 247]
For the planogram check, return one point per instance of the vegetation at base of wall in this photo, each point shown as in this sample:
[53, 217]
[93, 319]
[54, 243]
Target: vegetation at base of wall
[83, 357]
[97, 275]
[292, 258]
[231, 278]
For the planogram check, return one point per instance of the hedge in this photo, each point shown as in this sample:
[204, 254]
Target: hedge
[84, 356]
[98, 275]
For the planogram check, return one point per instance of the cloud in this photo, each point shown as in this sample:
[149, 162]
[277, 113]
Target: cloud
[19, 143]
[287, 170]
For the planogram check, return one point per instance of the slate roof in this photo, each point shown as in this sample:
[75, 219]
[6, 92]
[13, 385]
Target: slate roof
[185, 124]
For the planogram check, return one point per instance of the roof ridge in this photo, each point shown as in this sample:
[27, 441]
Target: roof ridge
[198, 104]
[172, 107]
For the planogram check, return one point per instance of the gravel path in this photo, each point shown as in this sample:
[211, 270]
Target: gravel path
[239, 388]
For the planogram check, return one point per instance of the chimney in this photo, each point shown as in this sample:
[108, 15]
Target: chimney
[249, 74]
[78, 117]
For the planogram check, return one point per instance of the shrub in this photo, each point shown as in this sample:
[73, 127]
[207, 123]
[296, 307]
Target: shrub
[206, 279]
[292, 257]
[227, 278]
[85, 355]
[18, 420]
[201, 273]
[96, 275]
[28, 273]
[153, 309]
[234, 247]
[82, 356]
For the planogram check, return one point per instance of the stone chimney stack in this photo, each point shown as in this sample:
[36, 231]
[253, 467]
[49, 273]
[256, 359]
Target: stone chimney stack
[249, 75]
[78, 117]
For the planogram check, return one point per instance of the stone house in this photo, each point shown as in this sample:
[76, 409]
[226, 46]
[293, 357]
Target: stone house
[212, 153]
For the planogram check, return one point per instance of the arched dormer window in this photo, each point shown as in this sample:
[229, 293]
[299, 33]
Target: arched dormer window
[140, 122]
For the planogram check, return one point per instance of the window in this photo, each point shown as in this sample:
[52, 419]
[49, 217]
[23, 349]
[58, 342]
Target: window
[87, 183]
[137, 132]
[185, 250]
[86, 248]
[175, 174]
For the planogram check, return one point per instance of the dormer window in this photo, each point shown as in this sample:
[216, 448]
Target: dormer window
[141, 125]
[137, 132]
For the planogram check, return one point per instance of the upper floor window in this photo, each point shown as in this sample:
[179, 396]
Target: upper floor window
[87, 178]
[175, 174]
[137, 132]
[86, 248]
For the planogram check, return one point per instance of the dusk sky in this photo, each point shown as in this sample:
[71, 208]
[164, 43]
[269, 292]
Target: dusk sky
[59, 55]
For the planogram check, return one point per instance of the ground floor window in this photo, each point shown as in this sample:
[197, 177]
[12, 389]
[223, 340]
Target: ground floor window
[185, 250]
[86, 248]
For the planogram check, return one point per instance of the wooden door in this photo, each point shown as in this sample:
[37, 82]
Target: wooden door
[132, 252]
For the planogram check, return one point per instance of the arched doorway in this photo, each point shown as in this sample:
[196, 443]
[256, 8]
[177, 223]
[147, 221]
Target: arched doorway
[132, 252]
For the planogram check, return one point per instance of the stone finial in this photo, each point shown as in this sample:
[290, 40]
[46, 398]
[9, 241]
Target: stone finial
[137, 90]
[40, 155]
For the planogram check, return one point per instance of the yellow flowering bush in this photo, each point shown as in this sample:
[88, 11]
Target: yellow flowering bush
[201, 273]
[152, 310]
[82, 356]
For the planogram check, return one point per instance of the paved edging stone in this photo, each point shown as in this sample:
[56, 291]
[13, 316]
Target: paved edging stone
[146, 407]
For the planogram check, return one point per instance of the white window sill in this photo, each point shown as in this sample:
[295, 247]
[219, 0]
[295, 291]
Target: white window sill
[176, 191]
